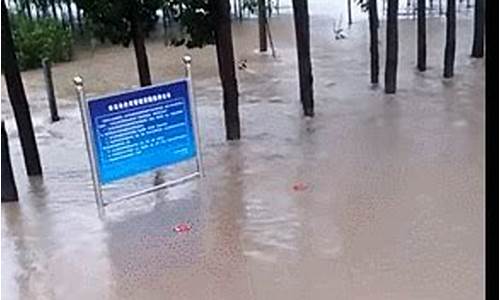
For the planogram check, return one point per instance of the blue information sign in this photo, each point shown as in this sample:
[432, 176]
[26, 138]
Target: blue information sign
[141, 130]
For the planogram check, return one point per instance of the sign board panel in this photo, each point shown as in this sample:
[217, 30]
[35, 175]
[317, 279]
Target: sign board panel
[141, 130]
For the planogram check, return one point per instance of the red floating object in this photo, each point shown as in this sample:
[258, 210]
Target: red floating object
[299, 186]
[183, 227]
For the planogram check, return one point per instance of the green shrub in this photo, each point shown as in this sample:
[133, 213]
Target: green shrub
[36, 39]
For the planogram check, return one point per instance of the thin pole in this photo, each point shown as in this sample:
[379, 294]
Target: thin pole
[49, 85]
[78, 81]
[194, 114]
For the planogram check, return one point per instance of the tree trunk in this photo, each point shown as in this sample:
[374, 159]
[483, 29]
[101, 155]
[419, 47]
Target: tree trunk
[164, 18]
[374, 57]
[301, 20]
[63, 20]
[262, 26]
[17, 97]
[391, 61]
[349, 12]
[449, 51]
[79, 19]
[53, 7]
[240, 12]
[70, 16]
[421, 36]
[141, 55]
[45, 8]
[227, 73]
[478, 43]
[9, 189]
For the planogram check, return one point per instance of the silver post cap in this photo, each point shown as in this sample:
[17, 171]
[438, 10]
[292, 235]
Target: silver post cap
[186, 59]
[78, 80]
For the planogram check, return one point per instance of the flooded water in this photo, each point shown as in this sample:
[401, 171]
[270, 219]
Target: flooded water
[389, 206]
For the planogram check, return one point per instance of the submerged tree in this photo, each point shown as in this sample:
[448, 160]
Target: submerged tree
[478, 42]
[227, 73]
[374, 56]
[449, 51]
[421, 36]
[262, 26]
[391, 60]
[17, 97]
[123, 21]
[349, 13]
[53, 8]
[301, 21]
[209, 22]
[371, 7]
[70, 15]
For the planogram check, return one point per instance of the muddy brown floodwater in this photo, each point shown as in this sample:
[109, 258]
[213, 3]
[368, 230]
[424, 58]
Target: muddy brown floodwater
[377, 197]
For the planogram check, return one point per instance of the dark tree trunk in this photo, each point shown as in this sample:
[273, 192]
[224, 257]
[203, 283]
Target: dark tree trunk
[240, 12]
[349, 12]
[9, 189]
[17, 97]
[70, 15]
[449, 50]
[53, 7]
[421, 37]
[478, 43]
[270, 7]
[141, 55]
[301, 20]
[262, 26]
[164, 18]
[44, 8]
[391, 61]
[63, 19]
[374, 57]
[227, 73]
[235, 8]
[79, 19]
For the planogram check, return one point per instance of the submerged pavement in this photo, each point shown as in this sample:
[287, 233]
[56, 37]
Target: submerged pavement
[377, 197]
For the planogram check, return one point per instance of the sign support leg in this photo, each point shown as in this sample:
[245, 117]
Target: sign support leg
[78, 81]
[194, 115]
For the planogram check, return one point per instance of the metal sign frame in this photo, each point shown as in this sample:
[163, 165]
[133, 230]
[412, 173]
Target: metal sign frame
[90, 141]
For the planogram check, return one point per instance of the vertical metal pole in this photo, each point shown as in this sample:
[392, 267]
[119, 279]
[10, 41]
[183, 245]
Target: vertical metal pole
[194, 114]
[78, 81]
[49, 85]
